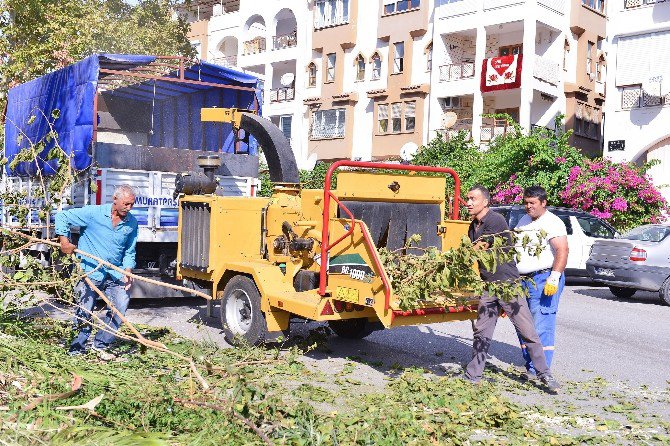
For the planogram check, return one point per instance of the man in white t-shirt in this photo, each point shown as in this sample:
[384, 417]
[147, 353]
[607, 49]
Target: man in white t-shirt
[546, 271]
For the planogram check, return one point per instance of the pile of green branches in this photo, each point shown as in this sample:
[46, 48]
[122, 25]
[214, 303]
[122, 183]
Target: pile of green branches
[420, 275]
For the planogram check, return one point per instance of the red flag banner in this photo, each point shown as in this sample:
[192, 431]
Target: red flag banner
[501, 73]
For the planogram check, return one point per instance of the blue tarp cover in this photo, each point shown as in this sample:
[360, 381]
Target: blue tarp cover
[71, 90]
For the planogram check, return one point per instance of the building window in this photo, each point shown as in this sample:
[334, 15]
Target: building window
[510, 50]
[285, 125]
[376, 66]
[598, 5]
[429, 57]
[391, 6]
[396, 117]
[328, 124]
[311, 75]
[360, 68]
[599, 70]
[330, 70]
[383, 117]
[331, 13]
[589, 57]
[399, 57]
[566, 53]
[410, 113]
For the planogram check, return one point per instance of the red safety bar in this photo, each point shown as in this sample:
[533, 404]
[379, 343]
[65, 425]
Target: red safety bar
[326, 246]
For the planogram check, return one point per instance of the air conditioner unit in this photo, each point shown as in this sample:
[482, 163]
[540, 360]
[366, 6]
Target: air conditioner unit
[451, 102]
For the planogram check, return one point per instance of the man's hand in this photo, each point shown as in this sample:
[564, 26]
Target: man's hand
[551, 286]
[66, 245]
[127, 280]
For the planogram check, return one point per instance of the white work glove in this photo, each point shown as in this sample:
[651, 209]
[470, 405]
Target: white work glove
[551, 286]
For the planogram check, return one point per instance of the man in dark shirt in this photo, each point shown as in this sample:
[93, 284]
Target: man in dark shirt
[485, 225]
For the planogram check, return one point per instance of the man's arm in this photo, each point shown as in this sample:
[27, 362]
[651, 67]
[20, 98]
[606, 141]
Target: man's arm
[128, 262]
[65, 220]
[560, 246]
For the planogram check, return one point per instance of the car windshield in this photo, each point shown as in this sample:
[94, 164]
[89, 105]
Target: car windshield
[648, 233]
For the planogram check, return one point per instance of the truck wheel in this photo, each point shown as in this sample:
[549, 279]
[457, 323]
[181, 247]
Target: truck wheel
[623, 293]
[241, 315]
[352, 328]
[664, 292]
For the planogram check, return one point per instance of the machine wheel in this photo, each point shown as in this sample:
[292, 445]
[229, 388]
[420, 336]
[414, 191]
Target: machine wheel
[352, 328]
[241, 316]
[664, 292]
[623, 293]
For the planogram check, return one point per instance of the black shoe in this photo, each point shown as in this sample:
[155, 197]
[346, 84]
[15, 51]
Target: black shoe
[550, 383]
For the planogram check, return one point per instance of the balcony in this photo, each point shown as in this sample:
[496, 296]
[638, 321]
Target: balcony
[225, 61]
[546, 70]
[636, 97]
[284, 94]
[628, 4]
[285, 41]
[254, 46]
[461, 125]
[452, 72]
[327, 131]
[495, 128]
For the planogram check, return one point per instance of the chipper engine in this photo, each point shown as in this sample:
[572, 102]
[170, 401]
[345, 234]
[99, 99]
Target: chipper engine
[309, 253]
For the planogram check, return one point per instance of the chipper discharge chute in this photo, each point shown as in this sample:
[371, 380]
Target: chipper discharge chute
[313, 253]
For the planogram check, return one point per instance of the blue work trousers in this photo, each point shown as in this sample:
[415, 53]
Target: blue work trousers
[543, 308]
[117, 295]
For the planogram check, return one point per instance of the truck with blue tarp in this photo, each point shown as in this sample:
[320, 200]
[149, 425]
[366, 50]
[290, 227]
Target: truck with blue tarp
[129, 119]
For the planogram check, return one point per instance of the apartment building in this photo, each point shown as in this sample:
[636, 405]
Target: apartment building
[638, 85]
[270, 39]
[369, 78]
[365, 79]
[525, 58]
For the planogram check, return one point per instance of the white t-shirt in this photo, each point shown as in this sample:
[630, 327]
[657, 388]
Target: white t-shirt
[553, 226]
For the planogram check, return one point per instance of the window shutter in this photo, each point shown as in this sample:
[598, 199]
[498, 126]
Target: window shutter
[396, 109]
[632, 64]
[382, 111]
[410, 109]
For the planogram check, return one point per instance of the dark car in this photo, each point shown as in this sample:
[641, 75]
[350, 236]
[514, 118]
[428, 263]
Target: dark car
[583, 230]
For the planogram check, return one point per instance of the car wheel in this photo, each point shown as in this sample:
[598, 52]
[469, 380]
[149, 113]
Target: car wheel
[352, 328]
[623, 293]
[241, 316]
[664, 292]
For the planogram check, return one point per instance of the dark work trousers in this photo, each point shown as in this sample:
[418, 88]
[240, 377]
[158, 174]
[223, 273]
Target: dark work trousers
[518, 312]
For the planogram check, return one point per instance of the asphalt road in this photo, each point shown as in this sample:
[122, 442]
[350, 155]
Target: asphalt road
[621, 340]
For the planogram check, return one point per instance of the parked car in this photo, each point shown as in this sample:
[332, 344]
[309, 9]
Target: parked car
[639, 260]
[583, 230]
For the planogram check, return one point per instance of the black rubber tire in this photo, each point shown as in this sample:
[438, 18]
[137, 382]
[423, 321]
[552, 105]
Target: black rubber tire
[241, 303]
[352, 328]
[622, 293]
[664, 292]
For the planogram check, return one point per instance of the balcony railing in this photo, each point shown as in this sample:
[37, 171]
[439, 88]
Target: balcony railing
[462, 125]
[636, 97]
[225, 61]
[635, 3]
[452, 72]
[254, 46]
[285, 41]
[496, 128]
[546, 70]
[327, 131]
[282, 94]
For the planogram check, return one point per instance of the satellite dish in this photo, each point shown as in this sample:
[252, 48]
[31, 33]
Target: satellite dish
[449, 119]
[310, 162]
[408, 151]
[287, 79]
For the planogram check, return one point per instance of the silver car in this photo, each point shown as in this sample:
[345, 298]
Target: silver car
[639, 260]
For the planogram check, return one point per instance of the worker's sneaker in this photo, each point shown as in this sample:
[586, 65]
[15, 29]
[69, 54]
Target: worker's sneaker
[103, 354]
[75, 352]
[550, 383]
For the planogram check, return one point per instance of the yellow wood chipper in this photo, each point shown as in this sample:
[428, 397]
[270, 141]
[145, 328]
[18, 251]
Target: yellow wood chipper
[310, 253]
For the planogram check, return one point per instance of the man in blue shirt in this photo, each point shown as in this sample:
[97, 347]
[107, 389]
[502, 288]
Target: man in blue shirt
[109, 232]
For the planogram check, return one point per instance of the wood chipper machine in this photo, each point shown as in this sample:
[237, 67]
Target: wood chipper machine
[310, 253]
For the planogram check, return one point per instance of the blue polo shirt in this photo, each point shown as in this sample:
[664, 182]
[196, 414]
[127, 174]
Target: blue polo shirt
[98, 237]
